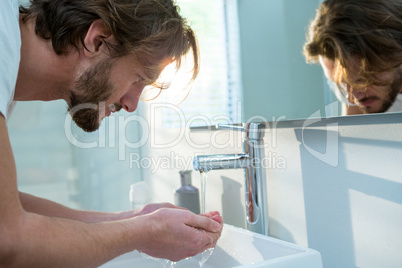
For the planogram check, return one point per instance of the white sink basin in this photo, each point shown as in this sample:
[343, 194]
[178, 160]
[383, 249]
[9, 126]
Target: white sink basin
[236, 248]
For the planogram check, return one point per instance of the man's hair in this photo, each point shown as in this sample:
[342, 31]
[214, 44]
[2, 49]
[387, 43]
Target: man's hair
[152, 30]
[363, 32]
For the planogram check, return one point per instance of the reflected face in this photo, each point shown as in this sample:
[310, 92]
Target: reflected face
[105, 88]
[371, 99]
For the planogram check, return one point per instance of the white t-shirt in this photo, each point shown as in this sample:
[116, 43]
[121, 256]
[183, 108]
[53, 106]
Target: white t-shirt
[10, 45]
[396, 106]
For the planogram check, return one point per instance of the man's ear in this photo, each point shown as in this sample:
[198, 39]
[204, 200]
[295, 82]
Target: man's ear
[94, 41]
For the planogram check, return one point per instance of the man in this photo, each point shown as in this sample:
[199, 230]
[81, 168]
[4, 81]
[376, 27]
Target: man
[359, 46]
[97, 55]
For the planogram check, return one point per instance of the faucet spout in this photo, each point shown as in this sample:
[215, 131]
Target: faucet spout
[205, 163]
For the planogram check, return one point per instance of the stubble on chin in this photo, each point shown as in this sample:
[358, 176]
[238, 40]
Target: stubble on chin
[87, 120]
[391, 95]
[87, 103]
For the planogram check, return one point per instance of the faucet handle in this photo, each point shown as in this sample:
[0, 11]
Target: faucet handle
[241, 127]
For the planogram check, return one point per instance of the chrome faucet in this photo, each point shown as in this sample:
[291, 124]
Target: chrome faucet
[254, 173]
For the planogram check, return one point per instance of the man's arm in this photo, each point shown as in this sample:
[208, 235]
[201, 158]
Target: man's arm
[32, 240]
[49, 208]
[29, 239]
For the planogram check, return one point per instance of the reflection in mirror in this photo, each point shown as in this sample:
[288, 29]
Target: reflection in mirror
[277, 47]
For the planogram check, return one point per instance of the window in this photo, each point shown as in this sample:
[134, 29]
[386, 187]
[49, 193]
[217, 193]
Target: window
[216, 94]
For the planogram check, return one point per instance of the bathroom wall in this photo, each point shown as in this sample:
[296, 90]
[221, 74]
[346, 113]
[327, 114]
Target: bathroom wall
[333, 185]
[340, 192]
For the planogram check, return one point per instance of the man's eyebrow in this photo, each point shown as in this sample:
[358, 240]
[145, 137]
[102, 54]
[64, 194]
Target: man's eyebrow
[152, 75]
[145, 75]
[356, 80]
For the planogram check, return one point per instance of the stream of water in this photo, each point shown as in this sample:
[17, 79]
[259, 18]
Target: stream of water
[204, 176]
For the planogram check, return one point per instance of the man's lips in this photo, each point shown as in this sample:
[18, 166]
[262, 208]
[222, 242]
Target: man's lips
[367, 101]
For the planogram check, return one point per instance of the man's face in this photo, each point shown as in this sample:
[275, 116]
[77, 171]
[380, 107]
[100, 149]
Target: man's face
[105, 88]
[372, 99]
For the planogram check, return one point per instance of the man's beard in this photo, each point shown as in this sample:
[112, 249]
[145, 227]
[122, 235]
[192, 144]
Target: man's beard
[393, 91]
[93, 89]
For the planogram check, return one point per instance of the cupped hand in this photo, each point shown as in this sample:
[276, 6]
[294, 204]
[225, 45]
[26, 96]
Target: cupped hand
[175, 234]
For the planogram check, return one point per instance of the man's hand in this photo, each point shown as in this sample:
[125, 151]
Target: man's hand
[176, 234]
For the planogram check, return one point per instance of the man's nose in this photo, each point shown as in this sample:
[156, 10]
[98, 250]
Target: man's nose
[130, 100]
[357, 95]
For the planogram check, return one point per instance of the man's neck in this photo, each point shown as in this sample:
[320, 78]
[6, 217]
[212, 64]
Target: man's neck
[42, 75]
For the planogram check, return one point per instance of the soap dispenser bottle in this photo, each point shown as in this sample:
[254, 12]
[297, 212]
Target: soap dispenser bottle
[187, 195]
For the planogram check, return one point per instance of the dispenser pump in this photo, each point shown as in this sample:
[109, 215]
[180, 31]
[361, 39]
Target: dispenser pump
[185, 176]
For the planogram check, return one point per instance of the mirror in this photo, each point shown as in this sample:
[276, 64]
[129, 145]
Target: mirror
[277, 81]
